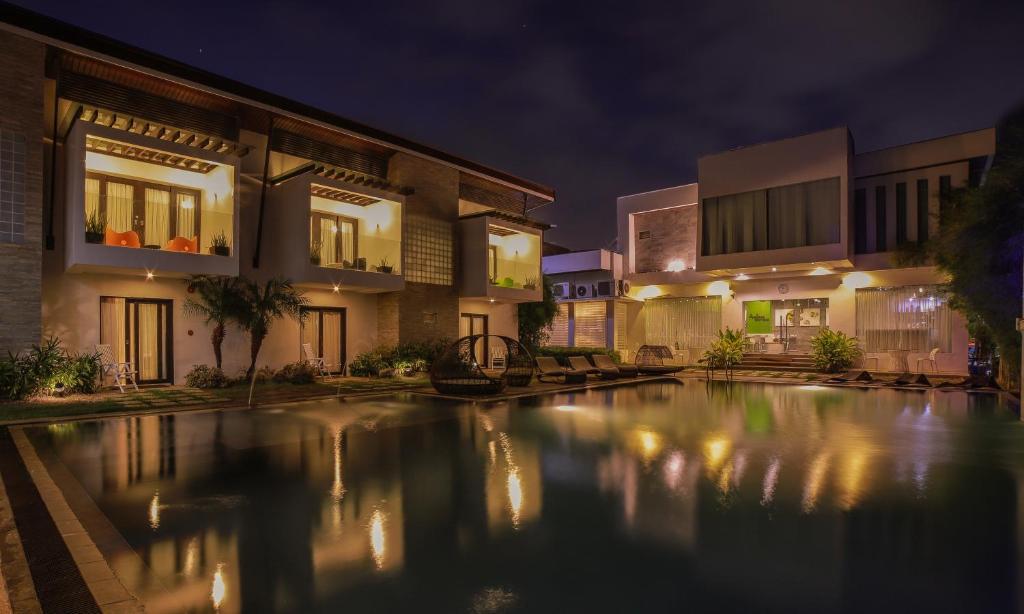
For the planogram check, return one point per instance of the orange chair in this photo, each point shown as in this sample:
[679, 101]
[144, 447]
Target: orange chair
[181, 244]
[128, 238]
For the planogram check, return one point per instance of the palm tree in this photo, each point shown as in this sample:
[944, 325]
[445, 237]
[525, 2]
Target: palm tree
[260, 305]
[216, 299]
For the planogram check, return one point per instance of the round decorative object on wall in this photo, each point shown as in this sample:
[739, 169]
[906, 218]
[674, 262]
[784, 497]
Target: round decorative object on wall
[190, 332]
[783, 288]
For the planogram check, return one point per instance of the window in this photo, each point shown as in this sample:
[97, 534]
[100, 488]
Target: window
[901, 213]
[912, 318]
[860, 221]
[881, 221]
[141, 212]
[683, 323]
[796, 215]
[922, 210]
[589, 324]
[323, 328]
[333, 238]
[12, 187]
[492, 263]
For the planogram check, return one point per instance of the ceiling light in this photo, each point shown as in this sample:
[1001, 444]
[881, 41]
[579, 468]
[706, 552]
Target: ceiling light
[775, 269]
[821, 271]
[742, 277]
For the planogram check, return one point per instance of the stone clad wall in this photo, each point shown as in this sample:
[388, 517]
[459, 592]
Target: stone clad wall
[22, 115]
[673, 235]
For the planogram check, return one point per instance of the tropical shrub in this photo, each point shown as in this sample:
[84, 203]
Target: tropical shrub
[205, 376]
[535, 318]
[834, 351]
[296, 373]
[48, 367]
[404, 358]
[562, 354]
[726, 351]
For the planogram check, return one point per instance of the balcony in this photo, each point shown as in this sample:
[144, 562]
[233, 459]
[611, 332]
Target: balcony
[138, 204]
[351, 236]
[501, 260]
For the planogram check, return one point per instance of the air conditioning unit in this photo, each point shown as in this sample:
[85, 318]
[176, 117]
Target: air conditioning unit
[561, 290]
[584, 291]
[623, 287]
[605, 288]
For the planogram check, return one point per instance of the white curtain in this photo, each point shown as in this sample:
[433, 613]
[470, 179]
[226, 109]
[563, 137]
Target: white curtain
[186, 215]
[120, 202]
[328, 241]
[92, 198]
[311, 332]
[913, 318]
[157, 228]
[683, 323]
[347, 232]
[149, 352]
[112, 326]
[331, 350]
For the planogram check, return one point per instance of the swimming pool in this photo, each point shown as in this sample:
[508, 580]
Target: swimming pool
[655, 497]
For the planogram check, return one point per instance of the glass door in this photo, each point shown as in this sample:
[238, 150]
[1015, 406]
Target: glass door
[476, 324]
[139, 331]
[323, 329]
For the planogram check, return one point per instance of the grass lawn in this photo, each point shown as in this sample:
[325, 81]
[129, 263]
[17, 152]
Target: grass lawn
[170, 397]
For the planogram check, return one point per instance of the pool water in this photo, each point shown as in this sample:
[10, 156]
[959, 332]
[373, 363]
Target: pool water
[650, 498]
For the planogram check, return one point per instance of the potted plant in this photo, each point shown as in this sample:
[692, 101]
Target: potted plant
[384, 266]
[314, 252]
[93, 228]
[219, 245]
[530, 283]
[360, 264]
[508, 282]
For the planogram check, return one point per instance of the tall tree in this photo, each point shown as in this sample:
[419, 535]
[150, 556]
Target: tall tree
[980, 247]
[216, 300]
[534, 318]
[262, 304]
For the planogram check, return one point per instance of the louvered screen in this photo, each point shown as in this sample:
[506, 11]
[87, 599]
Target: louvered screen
[310, 149]
[589, 324]
[558, 332]
[135, 103]
[620, 326]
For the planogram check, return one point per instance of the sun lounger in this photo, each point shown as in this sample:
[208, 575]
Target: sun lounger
[604, 361]
[580, 363]
[548, 367]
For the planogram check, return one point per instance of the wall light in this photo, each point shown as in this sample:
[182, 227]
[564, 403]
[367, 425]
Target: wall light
[720, 288]
[821, 271]
[856, 280]
[337, 288]
[742, 277]
[648, 292]
[149, 275]
[775, 269]
[676, 266]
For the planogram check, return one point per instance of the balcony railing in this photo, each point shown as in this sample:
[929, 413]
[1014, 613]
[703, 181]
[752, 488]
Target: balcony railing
[362, 253]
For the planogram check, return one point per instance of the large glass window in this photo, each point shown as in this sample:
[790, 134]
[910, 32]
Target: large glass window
[354, 231]
[513, 257]
[796, 215]
[140, 197]
[913, 318]
[683, 323]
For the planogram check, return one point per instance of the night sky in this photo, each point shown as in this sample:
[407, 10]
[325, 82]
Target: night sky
[601, 100]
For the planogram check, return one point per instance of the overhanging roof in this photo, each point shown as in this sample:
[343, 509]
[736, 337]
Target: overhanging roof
[72, 38]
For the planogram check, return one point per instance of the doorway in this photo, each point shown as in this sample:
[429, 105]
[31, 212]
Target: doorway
[323, 328]
[476, 324]
[140, 332]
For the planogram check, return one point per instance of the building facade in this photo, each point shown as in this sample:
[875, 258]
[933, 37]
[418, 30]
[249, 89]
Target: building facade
[783, 239]
[123, 173]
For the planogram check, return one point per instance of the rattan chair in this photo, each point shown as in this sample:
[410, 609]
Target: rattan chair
[458, 370]
[650, 360]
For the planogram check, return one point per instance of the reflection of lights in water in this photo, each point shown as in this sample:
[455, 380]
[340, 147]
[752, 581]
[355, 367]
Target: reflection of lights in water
[815, 481]
[515, 495]
[486, 422]
[771, 480]
[566, 407]
[492, 452]
[812, 387]
[154, 511]
[850, 480]
[338, 486]
[378, 544]
[740, 466]
[219, 590]
[724, 477]
[715, 450]
[920, 476]
[191, 557]
[649, 443]
[674, 469]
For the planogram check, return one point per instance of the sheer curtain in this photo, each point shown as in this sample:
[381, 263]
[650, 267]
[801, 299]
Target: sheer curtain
[328, 241]
[186, 215]
[331, 350]
[92, 198]
[311, 332]
[804, 214]
[120, 201]
[913, 318]
[683, 323]
[157, 230]
[347, 232]
[149, 348]
[112, 326]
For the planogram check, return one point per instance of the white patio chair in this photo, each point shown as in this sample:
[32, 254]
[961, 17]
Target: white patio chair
[498, 359]
[929, 359]
[317, 362]
[121, 371]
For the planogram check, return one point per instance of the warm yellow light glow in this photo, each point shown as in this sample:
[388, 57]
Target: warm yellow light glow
[515, 495]
[338, 486]
[856, 280]
[191, 557]
[815, 481]
[775, 269]
[337, 288]
[742, 277]
[566, 407]
[154, 511]
[648, 443]
[676, 266]
[149, 275]
[821, 271]
[674, 469]
[219, 590]
[719, 288]
[771, 480]
[648, 292]
[378, 543]
[851, 480]
[812, 388]
[716, 450]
